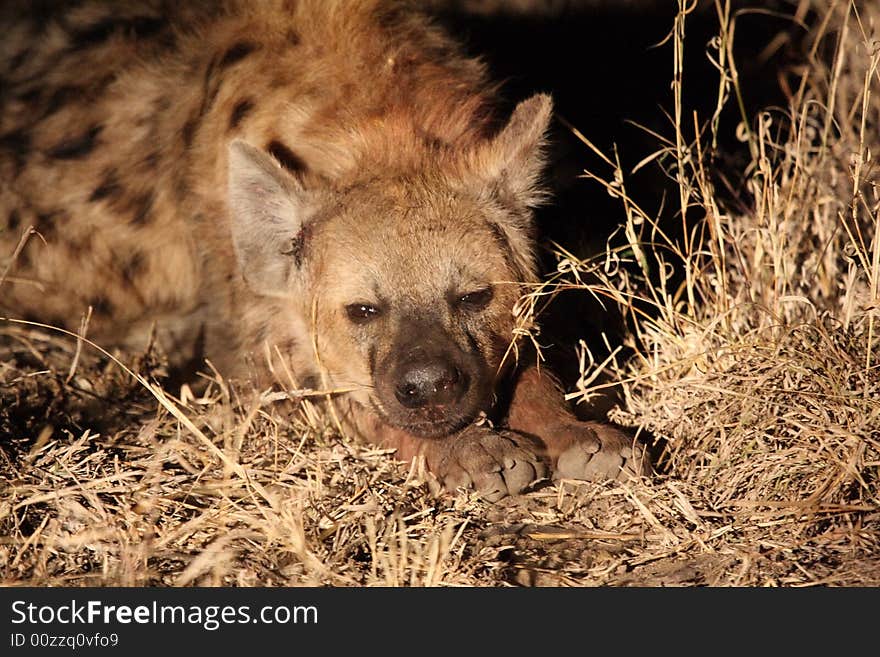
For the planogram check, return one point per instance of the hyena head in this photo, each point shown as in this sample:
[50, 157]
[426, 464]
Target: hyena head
[408, 280]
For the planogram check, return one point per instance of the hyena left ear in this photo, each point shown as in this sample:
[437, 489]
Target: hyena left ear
[514, 157]
[267, 215]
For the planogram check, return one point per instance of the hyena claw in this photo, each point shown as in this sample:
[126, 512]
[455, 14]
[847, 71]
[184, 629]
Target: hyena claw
[495, 463]
[602, 453]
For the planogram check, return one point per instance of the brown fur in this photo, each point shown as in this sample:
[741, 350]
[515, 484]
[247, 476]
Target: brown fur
[240, 174]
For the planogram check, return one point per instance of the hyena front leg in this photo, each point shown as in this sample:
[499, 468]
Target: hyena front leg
[494, 462]
[575, 449]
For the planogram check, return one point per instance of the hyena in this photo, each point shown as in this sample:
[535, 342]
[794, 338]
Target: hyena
[324, 182]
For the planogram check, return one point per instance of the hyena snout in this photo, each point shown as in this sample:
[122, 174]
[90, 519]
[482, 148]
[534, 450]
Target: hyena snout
[430, 382]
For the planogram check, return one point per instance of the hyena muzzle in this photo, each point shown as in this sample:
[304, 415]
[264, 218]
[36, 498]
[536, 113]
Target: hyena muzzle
[318, 187]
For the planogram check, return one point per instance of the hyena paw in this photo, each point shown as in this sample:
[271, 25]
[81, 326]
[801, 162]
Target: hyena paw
[496, 463]
[601, 452]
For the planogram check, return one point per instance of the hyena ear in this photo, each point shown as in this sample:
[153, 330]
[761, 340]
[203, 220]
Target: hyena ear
[267, 213]
[510, 165]
[514, 157]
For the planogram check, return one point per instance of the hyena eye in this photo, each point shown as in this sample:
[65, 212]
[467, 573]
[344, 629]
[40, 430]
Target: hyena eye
[476, 300]
[361, 313]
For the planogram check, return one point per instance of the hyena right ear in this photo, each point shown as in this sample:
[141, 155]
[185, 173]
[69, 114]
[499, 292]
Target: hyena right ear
[267, 215]
[510, 164]
[514, 157]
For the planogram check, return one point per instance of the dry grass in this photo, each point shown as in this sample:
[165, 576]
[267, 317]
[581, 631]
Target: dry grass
[754, 338]
[756, 331]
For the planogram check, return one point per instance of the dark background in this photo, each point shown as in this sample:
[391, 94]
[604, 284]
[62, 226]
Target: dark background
[604, 69]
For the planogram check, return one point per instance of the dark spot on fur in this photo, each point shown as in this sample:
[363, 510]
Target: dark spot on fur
[145, 26]
[101, 305]
[31, 95]
[292, 37]
[14, 220]
[17, 142]
[143, 206]
[93, 34]
[98, 33]
[109, 188]
[18, 59]
[61, 97]
[189, 131]
[242, 109]
[237, 52]
[46, 222]
[207, 83]
[286, 157]
[133, 266]
[76, 147]
[210, 89]
[208, 100]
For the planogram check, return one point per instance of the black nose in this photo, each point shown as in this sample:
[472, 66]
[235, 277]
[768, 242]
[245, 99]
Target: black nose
[430, 384]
